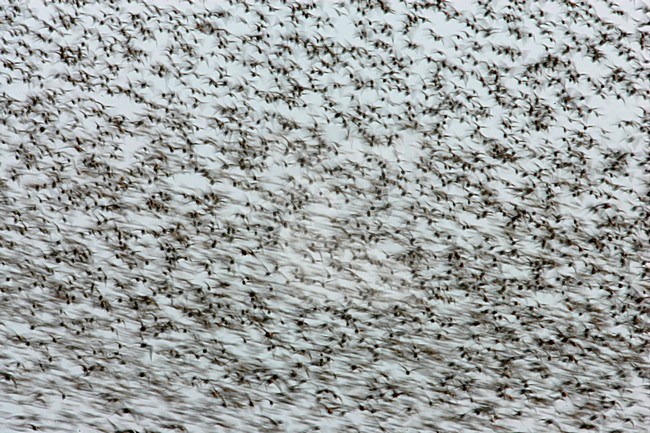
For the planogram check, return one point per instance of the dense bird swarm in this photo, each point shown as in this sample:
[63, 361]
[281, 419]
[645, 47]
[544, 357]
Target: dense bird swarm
[361, 216]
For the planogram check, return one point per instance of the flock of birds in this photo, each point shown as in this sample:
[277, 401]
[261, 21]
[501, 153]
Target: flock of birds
[324, 216]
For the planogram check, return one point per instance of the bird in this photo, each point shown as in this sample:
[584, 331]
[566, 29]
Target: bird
[323, 215]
